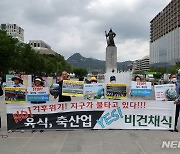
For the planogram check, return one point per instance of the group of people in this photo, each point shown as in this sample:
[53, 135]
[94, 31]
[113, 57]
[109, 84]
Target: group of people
[38, 82]
[173, 80]
[18, 82]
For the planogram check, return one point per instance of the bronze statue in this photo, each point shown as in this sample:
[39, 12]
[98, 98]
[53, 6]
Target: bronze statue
[110, 38]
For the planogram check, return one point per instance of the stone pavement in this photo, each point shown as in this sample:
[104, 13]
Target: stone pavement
[85, 141]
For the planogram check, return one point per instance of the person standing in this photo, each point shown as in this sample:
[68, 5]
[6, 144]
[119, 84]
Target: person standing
[137, 78]
[1, 90]
[64, 76]
[18, 82]
[93, 80]
[38, 82]
[173, 80]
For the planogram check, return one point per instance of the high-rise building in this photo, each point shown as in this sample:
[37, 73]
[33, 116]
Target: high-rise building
[42, 47]
[13, 30]
[165, 36]
[141, 65]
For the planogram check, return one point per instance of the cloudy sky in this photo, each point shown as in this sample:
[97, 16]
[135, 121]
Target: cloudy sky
[70, 26]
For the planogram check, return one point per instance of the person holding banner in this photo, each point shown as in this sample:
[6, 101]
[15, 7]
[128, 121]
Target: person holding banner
[38, 82]
[93, 80]
[18, 82]
[62, 98]
[1, 90]
[173, 80]
[136, 79]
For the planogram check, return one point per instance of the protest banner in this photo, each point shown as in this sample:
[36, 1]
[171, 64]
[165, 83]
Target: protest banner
[94, 91]
[15, 95]
[116, 91]
[96, 114]
[27, 80]
[37, 94]
[165, 92]
[141, 88]
[48, 81]
[72, 88]
[121, 78]
[9, 82]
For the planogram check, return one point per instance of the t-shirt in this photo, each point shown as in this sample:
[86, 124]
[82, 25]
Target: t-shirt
[61, 97]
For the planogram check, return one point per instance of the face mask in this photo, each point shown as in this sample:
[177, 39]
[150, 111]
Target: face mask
[93, 82]
[174, 80]
[113, 81]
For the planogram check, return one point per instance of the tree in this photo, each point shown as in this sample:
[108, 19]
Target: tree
[174, 69]
[21, 58]
[80, 72]
[7, 51]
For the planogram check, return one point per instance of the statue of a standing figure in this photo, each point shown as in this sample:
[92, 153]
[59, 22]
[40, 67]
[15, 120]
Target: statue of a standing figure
[110, 38]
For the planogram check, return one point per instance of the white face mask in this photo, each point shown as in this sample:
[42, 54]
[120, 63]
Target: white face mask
[174, 80]
[93, 82]
[113, 81]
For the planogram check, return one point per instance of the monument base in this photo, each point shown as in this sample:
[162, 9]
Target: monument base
[111, 59]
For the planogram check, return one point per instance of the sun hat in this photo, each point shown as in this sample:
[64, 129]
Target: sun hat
[16, 77]
[93, 79]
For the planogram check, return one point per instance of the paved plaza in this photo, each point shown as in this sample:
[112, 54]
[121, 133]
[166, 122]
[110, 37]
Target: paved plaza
[85, 141]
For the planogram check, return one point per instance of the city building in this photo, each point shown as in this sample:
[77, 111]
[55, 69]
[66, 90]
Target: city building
[14, 30]
[165, 36]
[141, 65]
[42, 47]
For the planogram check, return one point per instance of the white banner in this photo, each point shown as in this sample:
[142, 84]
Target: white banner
[27, 80]
[37, 90]
[165, 92]
[141, 88]
[102, 114]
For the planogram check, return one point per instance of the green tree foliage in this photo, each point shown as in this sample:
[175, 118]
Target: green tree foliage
[21, 58]
[80, 72]
[161, 70]
[7, 51]
[174, 69]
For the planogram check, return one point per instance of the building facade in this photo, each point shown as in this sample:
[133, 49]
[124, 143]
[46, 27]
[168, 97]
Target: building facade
[141, 65]
[14, 30]
[42, 47]
[165, 36]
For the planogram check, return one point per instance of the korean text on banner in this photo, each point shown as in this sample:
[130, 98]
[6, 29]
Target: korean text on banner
[39, 94]
[96, 114]
[141, 88]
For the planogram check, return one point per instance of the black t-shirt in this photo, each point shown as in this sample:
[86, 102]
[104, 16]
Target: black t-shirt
[61, 97]
[1, 91]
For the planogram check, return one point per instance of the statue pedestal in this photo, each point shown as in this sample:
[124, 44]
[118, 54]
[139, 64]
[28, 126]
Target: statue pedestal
[111, 59]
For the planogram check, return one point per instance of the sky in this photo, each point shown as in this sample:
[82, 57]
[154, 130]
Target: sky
[78, 26]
